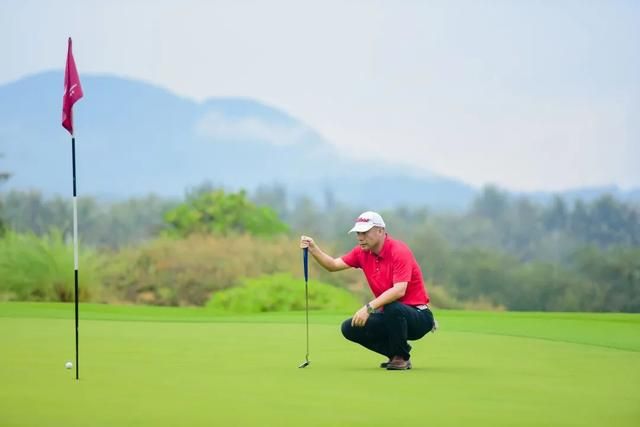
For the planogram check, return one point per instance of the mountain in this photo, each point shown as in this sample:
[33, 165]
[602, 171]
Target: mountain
[133, 138]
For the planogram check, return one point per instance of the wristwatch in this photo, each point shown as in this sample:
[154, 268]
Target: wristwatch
[370, 309]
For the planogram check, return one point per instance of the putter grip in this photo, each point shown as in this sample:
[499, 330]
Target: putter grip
[305, 263]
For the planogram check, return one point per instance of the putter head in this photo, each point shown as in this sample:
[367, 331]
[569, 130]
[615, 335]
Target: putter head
[304, 364]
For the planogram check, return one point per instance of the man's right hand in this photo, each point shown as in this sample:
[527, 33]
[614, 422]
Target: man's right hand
[326, 261]
[307, 242]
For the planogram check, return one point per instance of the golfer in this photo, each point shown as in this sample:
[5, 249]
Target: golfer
[400, 310]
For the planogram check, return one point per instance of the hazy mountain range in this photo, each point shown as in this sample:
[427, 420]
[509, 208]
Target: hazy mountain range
[133, 138]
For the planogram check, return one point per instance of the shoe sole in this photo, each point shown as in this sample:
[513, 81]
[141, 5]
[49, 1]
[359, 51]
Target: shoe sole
[406, 368]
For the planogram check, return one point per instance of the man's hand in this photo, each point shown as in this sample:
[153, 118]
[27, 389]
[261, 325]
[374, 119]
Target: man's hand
[307, 242]
[326, 261]
[360, 318]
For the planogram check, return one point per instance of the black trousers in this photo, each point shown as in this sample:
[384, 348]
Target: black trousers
[387, 332]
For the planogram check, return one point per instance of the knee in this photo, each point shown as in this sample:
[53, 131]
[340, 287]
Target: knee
[347, 329]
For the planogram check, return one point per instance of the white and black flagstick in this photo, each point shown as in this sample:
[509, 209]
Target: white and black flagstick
[72, 93]
[75, 249]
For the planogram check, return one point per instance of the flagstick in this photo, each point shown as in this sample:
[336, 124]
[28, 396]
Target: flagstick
[75, 246]
[72, 93]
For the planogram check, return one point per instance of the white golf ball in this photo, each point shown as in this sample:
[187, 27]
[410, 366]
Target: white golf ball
[68, 365]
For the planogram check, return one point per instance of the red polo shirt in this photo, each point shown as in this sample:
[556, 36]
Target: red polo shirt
[394, 264]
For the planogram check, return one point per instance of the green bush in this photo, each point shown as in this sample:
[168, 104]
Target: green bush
[440, 298]
[185, 272]
[41, 268]
[282, 292]
[215, 212]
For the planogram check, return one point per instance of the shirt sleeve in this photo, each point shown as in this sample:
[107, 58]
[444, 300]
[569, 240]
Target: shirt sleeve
[402, 262]
[352, 258]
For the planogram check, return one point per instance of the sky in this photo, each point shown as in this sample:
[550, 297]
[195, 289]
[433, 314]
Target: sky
[527, 95]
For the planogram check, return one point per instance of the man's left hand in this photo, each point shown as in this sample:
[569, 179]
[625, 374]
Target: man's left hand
[360, 318]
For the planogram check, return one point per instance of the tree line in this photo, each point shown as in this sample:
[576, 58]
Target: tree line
[502, 252]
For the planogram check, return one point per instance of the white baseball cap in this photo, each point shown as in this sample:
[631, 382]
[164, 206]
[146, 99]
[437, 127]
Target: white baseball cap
[366, 221]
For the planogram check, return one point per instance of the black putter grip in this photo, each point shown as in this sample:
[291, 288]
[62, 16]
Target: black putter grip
[305, 263]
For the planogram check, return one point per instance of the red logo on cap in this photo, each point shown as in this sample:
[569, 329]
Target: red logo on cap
[361, 219]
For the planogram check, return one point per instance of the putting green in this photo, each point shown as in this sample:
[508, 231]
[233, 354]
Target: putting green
[148, 366]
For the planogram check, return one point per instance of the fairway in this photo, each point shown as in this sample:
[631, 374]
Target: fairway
[151, 366]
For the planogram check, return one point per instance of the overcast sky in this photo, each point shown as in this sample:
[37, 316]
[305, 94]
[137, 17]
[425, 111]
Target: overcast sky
[529, 95]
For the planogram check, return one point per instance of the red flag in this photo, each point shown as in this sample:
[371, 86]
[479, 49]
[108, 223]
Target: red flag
[72, 91]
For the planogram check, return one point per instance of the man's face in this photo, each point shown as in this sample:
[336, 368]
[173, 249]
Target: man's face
[372, 239]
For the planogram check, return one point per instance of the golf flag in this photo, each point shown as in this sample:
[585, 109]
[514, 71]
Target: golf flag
[72, 91]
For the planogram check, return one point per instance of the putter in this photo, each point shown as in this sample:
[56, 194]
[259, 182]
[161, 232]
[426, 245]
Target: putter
[305, 263]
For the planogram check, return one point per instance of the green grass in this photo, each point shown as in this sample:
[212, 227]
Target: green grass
[150, 366]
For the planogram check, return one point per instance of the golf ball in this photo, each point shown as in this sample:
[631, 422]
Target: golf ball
[68, 365]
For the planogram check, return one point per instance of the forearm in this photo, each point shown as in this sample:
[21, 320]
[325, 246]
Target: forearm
[397, 291]
[390, 295]
[325, 260]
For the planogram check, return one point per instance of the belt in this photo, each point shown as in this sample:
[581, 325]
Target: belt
[422, 307]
